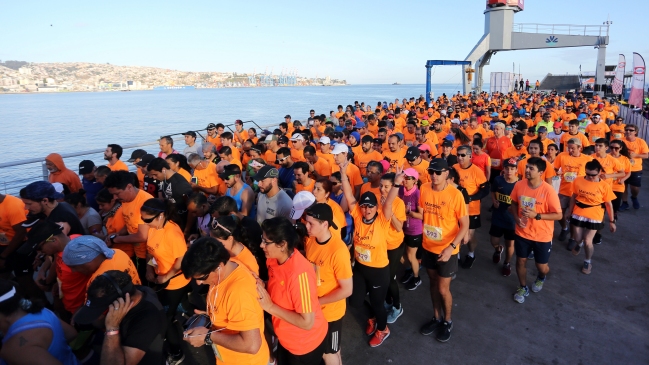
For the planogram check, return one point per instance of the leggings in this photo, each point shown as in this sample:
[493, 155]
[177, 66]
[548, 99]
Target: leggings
[140, 264]
[375, 281]
[394, 256]
[617, 202]
[170, 300]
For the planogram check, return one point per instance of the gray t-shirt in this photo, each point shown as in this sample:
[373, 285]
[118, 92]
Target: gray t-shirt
[279, 205]
[196, 148]
[90, 219]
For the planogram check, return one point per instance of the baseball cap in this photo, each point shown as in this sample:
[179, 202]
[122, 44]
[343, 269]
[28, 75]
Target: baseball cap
[85, 167]
[190, 133]
[287, 116]
[582, 116]
[438, 164]
[269, 139]
[324, 140]
[41, 231]
[385, 164]
[576, 141]
[449, 137]
[301, 201]
[356, 135]
[542, 129]
[297, 123]
[84, 249]
[210, 126]
[95, 305]
[400, 135]
[39, 190]
[340, 148]
[511, 162]
[230, 170]
[360, 125]
[447, 143]
[411, 172]
[494, 114]
[423, 147]
[323, 212]
[265, 172]
[412, 153]
[348, 122]
[238, 121]
[297, 137]
[144, 161]
[557, 125]
[282, 139]
[368, 198]
[136, 154]
[424, 123]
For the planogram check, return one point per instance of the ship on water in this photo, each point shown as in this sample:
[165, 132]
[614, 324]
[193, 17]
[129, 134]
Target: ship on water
[179, 87]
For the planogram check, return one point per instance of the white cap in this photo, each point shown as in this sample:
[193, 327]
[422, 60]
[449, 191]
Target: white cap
[340, 148]
[301, 201]
[324, 140]
[297, 137]
[455, 121]
[58, 187]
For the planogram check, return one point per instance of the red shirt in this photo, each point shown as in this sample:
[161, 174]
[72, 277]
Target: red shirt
[72, 285]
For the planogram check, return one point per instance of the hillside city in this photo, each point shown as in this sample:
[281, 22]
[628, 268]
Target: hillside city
[21, 77]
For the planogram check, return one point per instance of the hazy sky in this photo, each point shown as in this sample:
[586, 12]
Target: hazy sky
[361, 41]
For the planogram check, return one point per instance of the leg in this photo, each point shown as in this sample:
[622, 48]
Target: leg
[543, 269]
[510, 251]
[473, 242]
[635, 190]
[521, 270]
[332, 359]
[378, 282]
[443, 287]
[588, 243]
[171, 299]
[393, 288]
[412, 259]
[435, 296]
[495, 242]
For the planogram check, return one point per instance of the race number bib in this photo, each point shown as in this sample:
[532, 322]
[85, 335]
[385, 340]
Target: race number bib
[528, 202]
[495, 162]
[362, 254]
[617, 135]
[433, 233]
[569, 176]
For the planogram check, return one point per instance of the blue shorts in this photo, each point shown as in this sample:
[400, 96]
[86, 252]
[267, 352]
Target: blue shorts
[635, 179]
[524, 247]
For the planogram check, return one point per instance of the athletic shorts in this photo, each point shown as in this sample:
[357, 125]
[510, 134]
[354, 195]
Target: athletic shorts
[579, 221]
[334, 334]
[474, 222]
[496, 231]
[635, 179]
[565, 201]
[443, 269]
[21, 265]
[413, 241]
[524, 247]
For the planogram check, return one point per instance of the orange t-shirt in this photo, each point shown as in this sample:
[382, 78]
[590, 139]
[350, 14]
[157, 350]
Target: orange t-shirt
[617, 131]
[322, 167]
[233, 305]
[121, 262]
[368, 187]
[184, 173]
[394, 237]
[332, 263]
[297, 155]
[610, 165]
[12, 212]
[571, 168]
[370, 245]
[207, 177]
[513, 152]
[166, 245]
[339, 217]
[596, 131]
[248, 260]
[299, 187]
[542, 200]
[481, 161]
[624, 164]
[471, 178]
[472, 131]
[270, 157]
[395, 158]
[72, 284]
[115, 224]
[362, 159]
[353, 174]
[565, 137]
[547, 174]
[442, 211]
[215, 140]
[132, 219]
[293, 286]
[593, 194]
[637, 146]
[118, 166]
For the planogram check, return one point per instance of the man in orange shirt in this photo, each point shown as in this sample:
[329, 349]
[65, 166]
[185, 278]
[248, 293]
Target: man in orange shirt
[240, 134]
[409, 134]
[112, 154]
[366, 155]
[638, 151]
[414, 160]
[214, 134]
[302, 180]
[206, 178]
[395, 155]
[535, 206]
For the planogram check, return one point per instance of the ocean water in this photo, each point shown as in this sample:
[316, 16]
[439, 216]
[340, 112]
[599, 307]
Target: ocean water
[34, 125]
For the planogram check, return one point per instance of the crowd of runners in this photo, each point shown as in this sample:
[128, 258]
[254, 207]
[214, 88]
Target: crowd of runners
[256, 243]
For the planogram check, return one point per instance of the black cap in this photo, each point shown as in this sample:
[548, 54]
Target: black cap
[190, 133]
[85, 167]
[210, 126]
[282, 139]
[95, 306]
[438, 164]
[287, 116]
[144, 160]
[412, 153]
[447, 143]
[511, 162]
[323, 212]
[230, 170]
[369, 198]
[377, 140]
[348, 122]
[265, 172]
[136, 154]
[40, 232]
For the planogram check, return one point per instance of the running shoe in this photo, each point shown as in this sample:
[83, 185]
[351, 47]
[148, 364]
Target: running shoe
[576, 250]
[394, 314]
[636, 203]
[430, 327]
[387, 306]
[624, 206]
[444, 332]
[413, 283]
[498, 255]
[538, 285]
[587, 267]
[507, 269]
[371, 326]
[468, 262]
[571, 244]
[406, 276]
[379, 337]
[564, 234]
[520, 294]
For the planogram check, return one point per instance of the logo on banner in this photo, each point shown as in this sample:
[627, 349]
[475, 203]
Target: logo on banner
[638, 70]
[551, 40]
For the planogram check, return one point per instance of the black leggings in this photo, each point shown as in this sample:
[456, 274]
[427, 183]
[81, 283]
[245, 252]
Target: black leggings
[375, 281]
[617, 202]
[394, 256]
[140, 264]
[170, 300]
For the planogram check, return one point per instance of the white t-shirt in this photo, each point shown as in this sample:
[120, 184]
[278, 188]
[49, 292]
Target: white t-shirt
[279, 205]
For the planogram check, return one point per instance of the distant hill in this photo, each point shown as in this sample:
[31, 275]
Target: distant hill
[14, 65]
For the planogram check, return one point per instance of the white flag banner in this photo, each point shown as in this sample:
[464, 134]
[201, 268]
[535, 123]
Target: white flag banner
[637, 84]
[618, 82]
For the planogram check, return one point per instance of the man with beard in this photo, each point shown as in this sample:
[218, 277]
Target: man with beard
[285, 162]
[271, 201]
[112, 154]
[240, 192]
[366, 155]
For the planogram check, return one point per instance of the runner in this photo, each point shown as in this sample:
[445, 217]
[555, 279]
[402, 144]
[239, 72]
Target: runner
[502, 221]
[638, 151]
[412, 229]
[621, 153]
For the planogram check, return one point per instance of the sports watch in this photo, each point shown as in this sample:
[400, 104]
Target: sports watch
[208, 339]
[538, 216]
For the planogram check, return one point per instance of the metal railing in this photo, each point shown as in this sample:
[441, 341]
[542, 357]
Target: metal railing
[562, 29]
[633, 117]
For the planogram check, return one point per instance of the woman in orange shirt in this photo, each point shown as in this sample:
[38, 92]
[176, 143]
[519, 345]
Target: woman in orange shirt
[291, 296]
[590, 197]
[236, 335]
[178, 163]
[322, 194]
[165, 250]
[111, 212]
[238, 242]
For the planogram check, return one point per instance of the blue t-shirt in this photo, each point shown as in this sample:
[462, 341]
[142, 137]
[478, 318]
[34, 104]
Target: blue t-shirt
[91, 187]
[286, 177]
[501, 217]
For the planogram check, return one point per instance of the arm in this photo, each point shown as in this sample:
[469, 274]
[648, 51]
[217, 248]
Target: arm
[417, 214]
[345, 206]
[210, 191]
[16, 241]
[609, 210]
[247, 198]
[347, 187]
[304, 321]
[482, 192]
[513, 209]
[173, 271]
[68, 331]
[457, 241]
[571, 206]
[113, 353]
[139, 237]
[387, 206]
[344, 291]
[488, 171]
[247, 342]
[29, 347]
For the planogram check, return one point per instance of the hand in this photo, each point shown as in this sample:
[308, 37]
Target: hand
[529, 213]
[264, 298]
[195, 336]
[117, 311]
[192, 237]
[197, 311]
[343, 167]
[399, 176]
[446, 254]
[66, 227]
[496, 204]
[161, 279]
[612, 227]
[193, 185]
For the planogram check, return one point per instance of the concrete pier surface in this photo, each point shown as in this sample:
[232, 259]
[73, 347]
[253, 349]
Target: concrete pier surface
[601, 318]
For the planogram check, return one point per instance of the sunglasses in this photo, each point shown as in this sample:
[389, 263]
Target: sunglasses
[214, 224]
[615, 148]
[334, 183]
[211, 129]
[436, 172]
[367, 206]
[410, 178]
[280, 160]
[423, 151]
[592, 175]
[203, 278]
[461, 155]
[629, 130]
[149, 220]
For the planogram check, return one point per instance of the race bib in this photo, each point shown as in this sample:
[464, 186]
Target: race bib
[594, 138]
[495, 162]
[617, 135]
[433, 233]
[528, 202]
[569, 176]
[362, 254]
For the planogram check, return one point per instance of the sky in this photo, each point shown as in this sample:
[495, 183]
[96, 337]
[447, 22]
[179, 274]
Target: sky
[361, 41]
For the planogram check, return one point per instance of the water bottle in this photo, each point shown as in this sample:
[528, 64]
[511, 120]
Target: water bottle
[524, 221]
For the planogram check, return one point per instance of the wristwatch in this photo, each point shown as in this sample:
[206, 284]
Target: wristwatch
[208, 339]
[112, 237]
[453, 245]
[538, 216]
